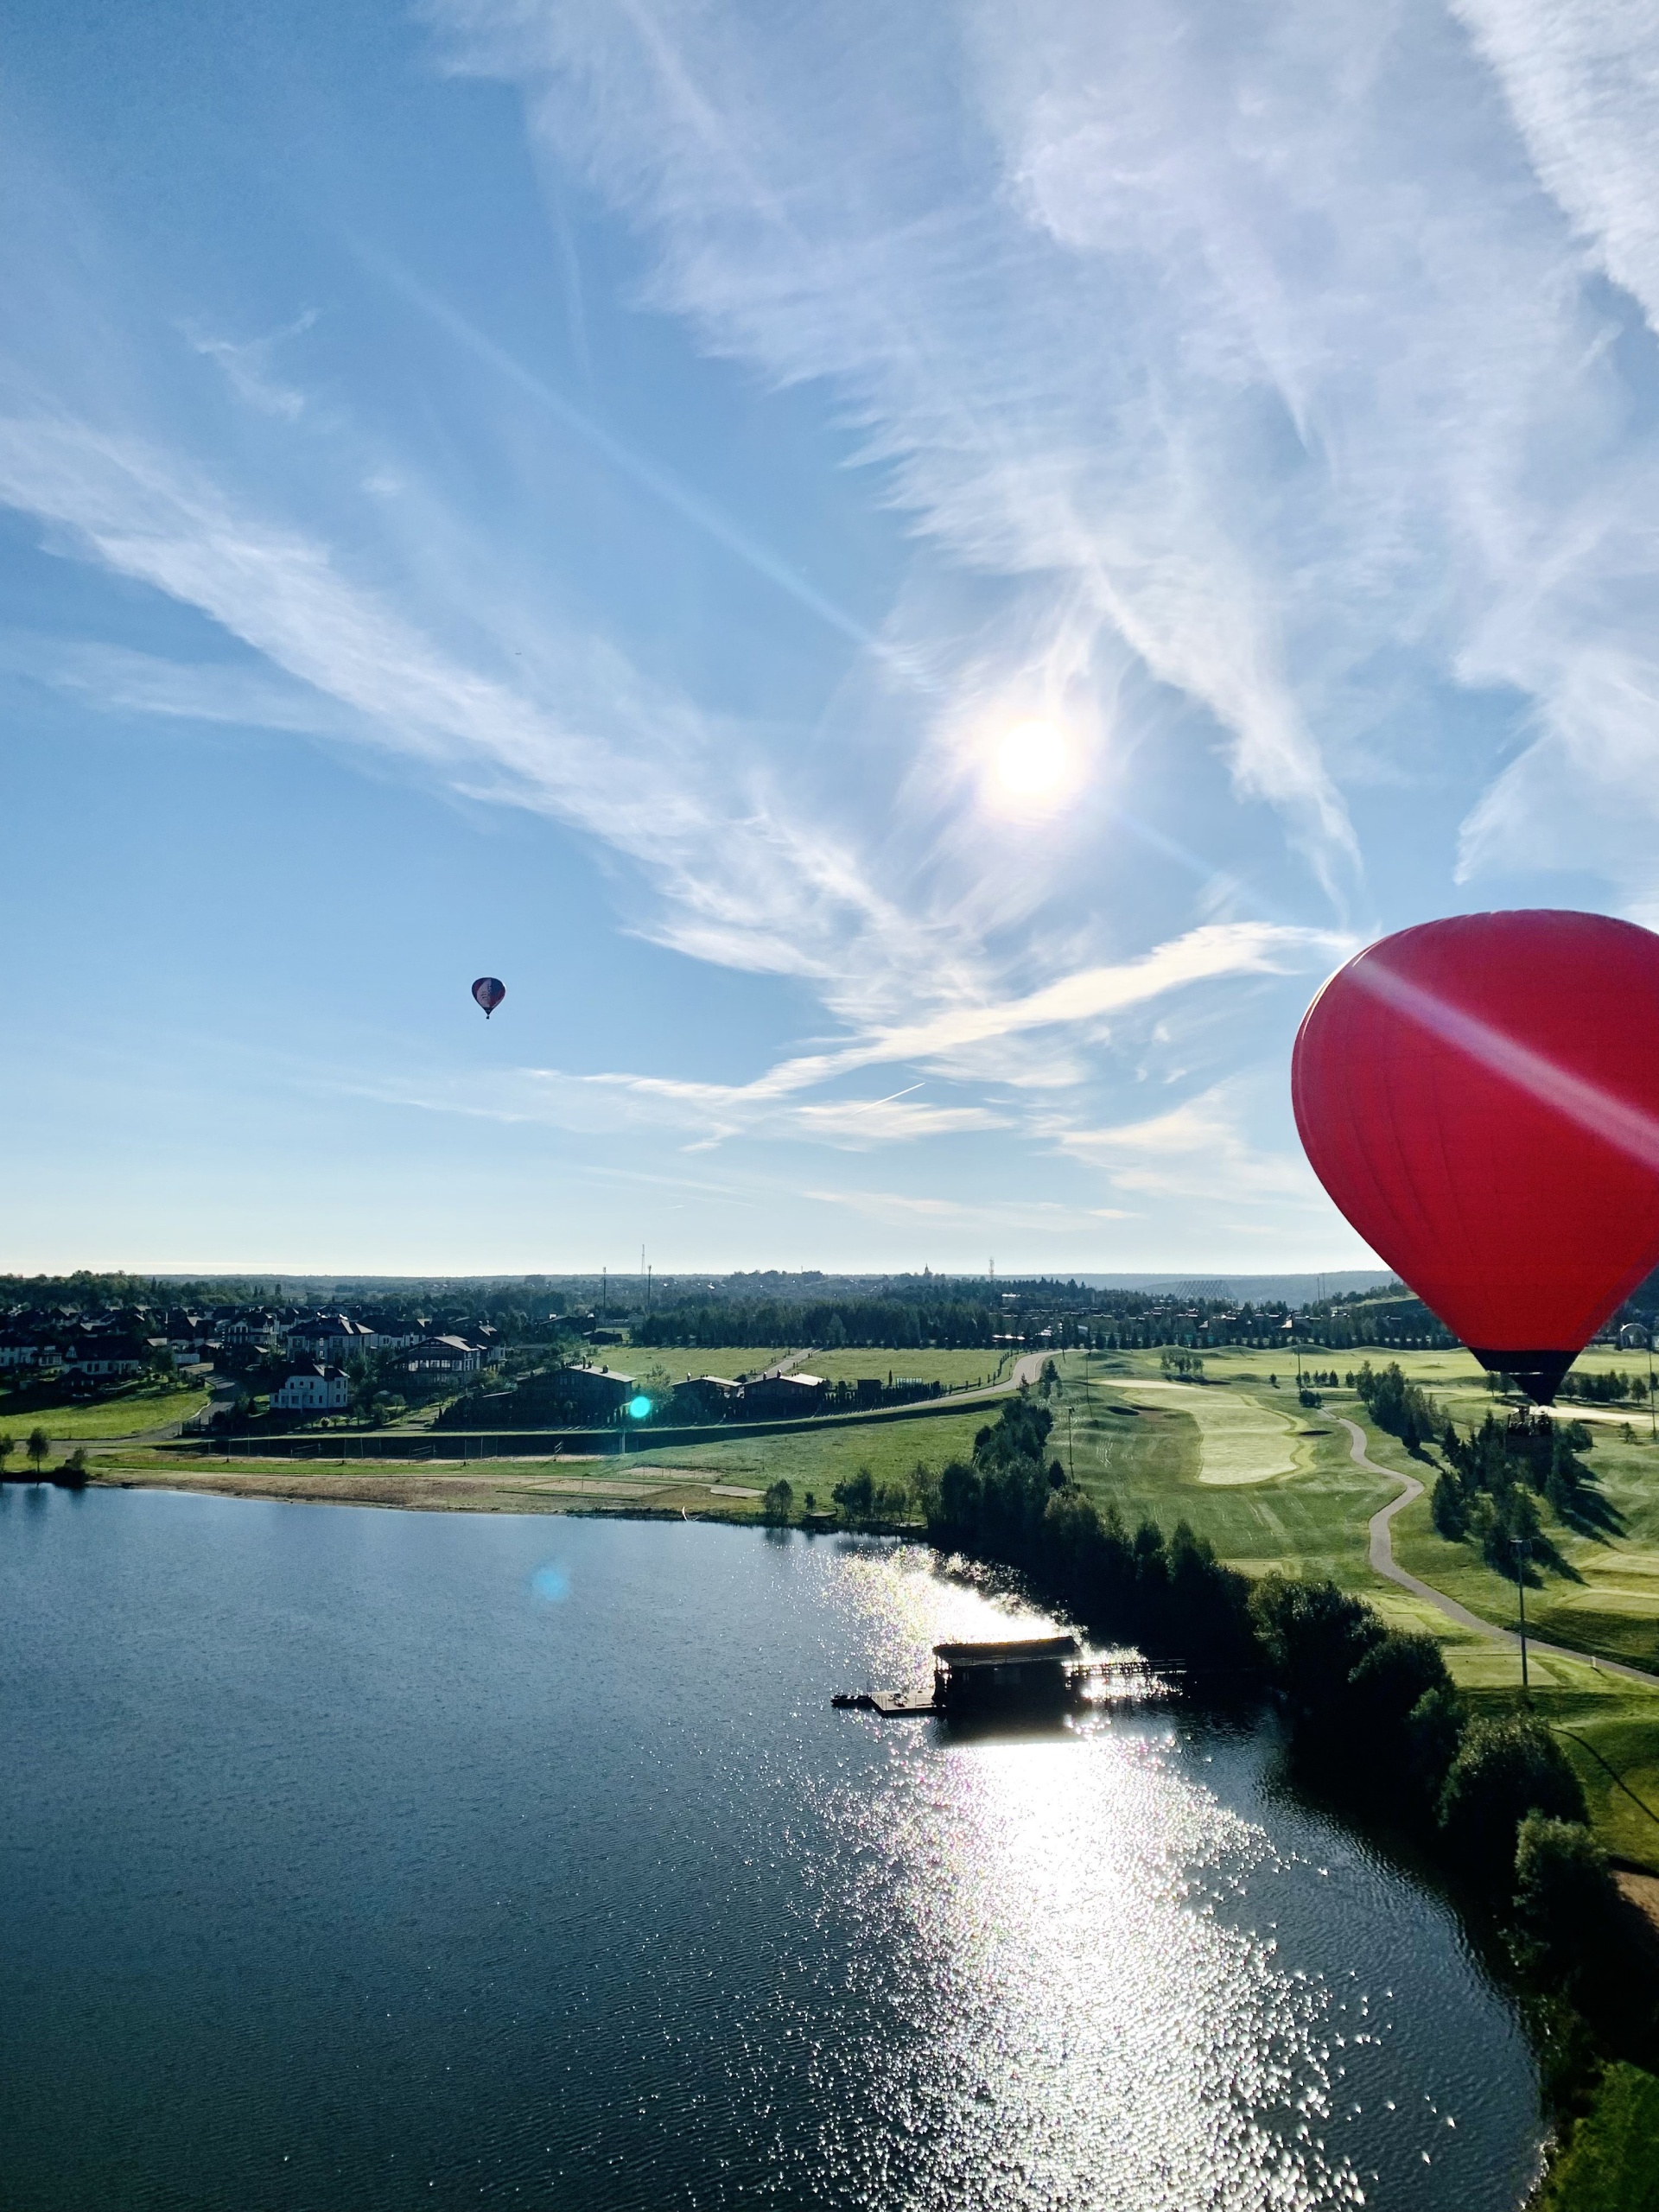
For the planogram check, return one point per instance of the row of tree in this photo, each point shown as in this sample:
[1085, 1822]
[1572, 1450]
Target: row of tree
[1372, 1709]
[37, 1450]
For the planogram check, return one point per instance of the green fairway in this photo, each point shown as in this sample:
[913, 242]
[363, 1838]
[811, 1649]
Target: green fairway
[1242, 1439]
[1281, 1490]
[127, 1415]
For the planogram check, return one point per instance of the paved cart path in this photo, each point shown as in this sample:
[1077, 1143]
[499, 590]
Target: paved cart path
[1382, 1562]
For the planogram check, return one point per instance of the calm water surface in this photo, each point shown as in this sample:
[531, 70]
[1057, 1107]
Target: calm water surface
[358, 1859]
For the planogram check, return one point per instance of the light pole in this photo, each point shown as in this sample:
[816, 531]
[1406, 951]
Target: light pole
[1521, 1546]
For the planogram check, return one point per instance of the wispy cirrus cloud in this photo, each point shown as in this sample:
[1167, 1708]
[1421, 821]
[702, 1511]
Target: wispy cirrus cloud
[246, 366]
[1195, 1150]
[771, 1107]
[1251, 328]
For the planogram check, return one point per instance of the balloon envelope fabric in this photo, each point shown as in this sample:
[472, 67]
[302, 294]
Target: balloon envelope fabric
[1480, 1097]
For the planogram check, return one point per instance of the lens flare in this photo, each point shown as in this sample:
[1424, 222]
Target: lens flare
[639, 1408]
[550, 1583]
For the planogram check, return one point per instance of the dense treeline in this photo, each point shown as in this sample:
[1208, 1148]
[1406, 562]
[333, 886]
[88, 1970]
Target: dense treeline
[1401, 1408]
[1487, 1494]
[1372, 1709]
[894, 1324]
[950, 1318]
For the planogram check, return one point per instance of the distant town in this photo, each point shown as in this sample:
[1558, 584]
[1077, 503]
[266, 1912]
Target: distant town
[585, 1352]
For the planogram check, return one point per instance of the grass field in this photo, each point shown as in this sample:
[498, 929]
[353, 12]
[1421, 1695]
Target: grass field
[1609, 2166]
[677, 1361]
[950, 1367]
[474, 1485]
[844, 1366]
[817, 1459]
[1603, 1595]
[125, 1415]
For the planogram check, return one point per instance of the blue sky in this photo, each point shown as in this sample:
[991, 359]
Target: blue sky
[910, 579]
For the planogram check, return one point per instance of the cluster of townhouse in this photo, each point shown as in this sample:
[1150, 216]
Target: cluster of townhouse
[320, 1345]
[103, 1347]
[114, 1347]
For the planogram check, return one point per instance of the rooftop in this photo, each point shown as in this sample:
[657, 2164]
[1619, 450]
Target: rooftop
[1038, 1650]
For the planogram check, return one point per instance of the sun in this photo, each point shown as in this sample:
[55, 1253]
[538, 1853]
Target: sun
[1032, 759]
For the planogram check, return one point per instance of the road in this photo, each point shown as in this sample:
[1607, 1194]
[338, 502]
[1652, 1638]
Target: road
[1382, 1562]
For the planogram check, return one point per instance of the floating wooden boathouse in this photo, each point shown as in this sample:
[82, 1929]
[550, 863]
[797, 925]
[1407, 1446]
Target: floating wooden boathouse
[1040, 1674]
[1028, 1670]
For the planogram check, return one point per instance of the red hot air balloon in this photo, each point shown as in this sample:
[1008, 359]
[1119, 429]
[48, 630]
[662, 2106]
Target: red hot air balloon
[489, 991]
[1481, 1098]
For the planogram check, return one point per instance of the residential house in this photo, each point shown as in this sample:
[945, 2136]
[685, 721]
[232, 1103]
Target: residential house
[28, 1347]
[330, 1338]
[108, 1357]
[445, 1356]
[706, 1397]
[388, 1333]
[313, 1390]
[598, 1393]
[784, 1397]
[247, 1329]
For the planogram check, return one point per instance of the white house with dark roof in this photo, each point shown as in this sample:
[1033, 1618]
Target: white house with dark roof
[313, 1390]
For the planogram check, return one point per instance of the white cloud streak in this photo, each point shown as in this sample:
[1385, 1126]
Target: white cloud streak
[1246, 325]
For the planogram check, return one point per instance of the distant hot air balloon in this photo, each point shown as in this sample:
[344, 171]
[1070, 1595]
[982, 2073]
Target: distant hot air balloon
[1481, 1098]
[489, 991]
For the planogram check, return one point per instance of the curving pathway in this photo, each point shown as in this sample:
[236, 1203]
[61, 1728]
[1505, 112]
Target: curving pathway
[1382, 1562]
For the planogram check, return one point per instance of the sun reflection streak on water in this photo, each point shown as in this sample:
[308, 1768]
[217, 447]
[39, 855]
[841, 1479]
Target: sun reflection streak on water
[1078, 2025]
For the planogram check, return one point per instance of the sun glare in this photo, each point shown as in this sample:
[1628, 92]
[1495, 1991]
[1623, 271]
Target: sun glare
[1032, 759]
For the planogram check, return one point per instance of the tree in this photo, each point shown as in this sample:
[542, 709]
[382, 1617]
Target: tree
[779, 1497]
[1450, 1515]
[1564, 1897]
[1504, 1771]
[38, 1444]
[1314, 1636]
[1391, 1682]
[856, 1495]
[7, 1445]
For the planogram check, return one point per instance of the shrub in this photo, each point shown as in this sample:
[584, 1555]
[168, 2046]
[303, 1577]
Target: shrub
[779, 1498]
[1504, 1771]
[1433, 1731]
[1565, 1900]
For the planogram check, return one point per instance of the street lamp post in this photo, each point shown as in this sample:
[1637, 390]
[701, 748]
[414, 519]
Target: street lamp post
[1521, 1546]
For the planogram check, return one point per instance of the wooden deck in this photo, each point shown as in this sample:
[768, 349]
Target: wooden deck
[902, 1704]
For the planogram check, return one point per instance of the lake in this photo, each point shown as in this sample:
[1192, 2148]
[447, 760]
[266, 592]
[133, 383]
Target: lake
[358, 1859]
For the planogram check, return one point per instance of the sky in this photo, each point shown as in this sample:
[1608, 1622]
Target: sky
[910, 579]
